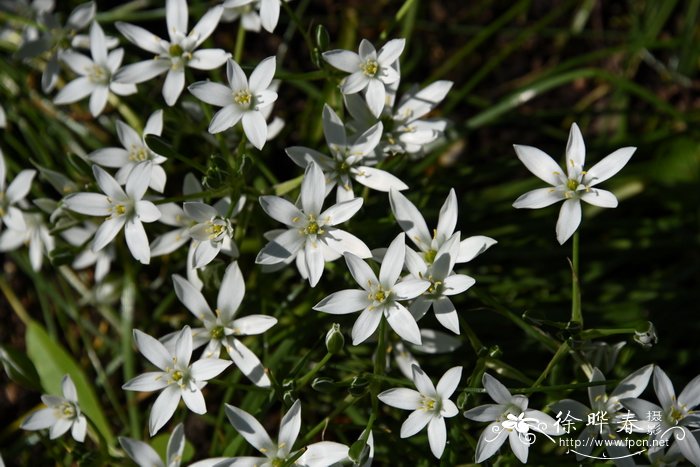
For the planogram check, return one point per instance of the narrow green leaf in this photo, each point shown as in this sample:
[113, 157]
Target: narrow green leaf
[19, 368]
[52, 362]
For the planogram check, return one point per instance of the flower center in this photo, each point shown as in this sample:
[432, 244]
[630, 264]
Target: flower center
[217, 332]
[370, 68]
[214, 230]
[676, 415]
[98, 74]
[428, 404]
[379, 295]
[243, 97]
[138, 153]
[572, 184]
[67, 410]
[119, 210]
[177, 375]
[430, 256]
[175, 50]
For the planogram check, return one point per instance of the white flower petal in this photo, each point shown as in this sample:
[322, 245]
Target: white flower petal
[598, 197]
[457, 283]
[486, 412]
[313, 254]
[608, 167]
[415, 422]
[79, 429]
[393, 262]
[163, 408]
[231, 292]
[206, 26]
[281, 248]
[360, 271]
[410, 220]
[141, 71]
[401, 398]
[153, 350]
[253, 324]
[60, 426]
[538, 198]
[248, 427]
[247, 362]
[208, 59]
[68, 389]
[495, 389]
[173, 86]
[110, 157]
[355, 82]
[446, 314]
[575, 150]
[92, 204]
[313, 190]
[281, 210]
[140, 37]
[449, 382]
[341, 212]
[519, 447]
[422, 382]
[343, 242]
[391, 51]
[269, 14]
[569, 219]
[74, 91]
[147, 211]
[343, 302]
[176, 16]
[375, 97]
[39, 420]
[437, 436]
[471, 247]
[140, 452]
[343, 60]
[212, 93]
[366, 324]
[192, 299]
[147, 382]
[236, 76]
[262, 75]
[490, 441]
[333, 127]
[664, 388]
[378, 179]
[540, 164]
[137, 241]
[208, 368]
[107, 231]
[225, 118]
[289, 429]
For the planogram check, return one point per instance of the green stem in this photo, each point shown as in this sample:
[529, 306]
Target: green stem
[128, 298]
[576, 314]
[379, 365]
[240, 41]
[560, 353]
[304, 380]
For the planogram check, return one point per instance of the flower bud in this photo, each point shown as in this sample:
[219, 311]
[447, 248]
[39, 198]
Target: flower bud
[323, 384]
[358, 386]
[335, 340]
[322, 37]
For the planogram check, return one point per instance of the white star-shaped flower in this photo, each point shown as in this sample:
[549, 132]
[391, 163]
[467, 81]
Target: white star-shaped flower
[508, 414]
[444, 283]
[242, 100]
[34, 232]
[211, 230]
[312, 237]
[222, 327]
[319, 454]
[60, 415]
[96, 74]
[368, 70]
[573, 185]
[125, 209]
[411, 221]
[350, 158]
[379, 297]
[134, 151]
[13, 195]
[267, 14]
[430, 405]
[145, 456]
[177, 378]
[174, 55]
[405, 129]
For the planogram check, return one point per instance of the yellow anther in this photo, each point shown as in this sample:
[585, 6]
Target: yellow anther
[242, 97]
[370, 67]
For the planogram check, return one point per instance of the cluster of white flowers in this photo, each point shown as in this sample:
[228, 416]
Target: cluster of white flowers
[397, 285]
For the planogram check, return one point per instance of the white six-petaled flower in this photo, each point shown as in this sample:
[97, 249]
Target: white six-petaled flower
[369, 70]
[61, 415]
[430, 405]
[174, 55]
[221, 327]
[145, 456]
[96, 74]
[13, 195]
[251, 20]
[321, 454]
[211, 230]
[573, 185]
[134, 151]
[312, 237]
[124, 208]
[379, 297]
[412, 222]
[507, 417]
[242, 100]
[177, 377]
[350, 158]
